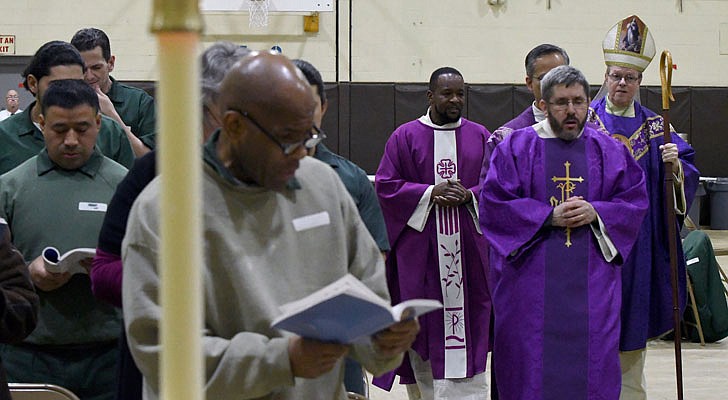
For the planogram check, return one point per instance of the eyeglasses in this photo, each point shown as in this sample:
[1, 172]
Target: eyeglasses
[11, 97]
[315, 136]
[628, 79]
[579, 103]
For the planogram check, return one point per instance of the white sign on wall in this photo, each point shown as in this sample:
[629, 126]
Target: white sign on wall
[275, 5]
[7, 44]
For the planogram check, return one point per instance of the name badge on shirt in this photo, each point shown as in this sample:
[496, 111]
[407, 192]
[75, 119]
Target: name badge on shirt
[86, 206]
[693, 261]
[311, 221]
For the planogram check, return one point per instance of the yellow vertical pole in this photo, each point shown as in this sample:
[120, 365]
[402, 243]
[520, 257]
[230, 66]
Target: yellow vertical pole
[177, 24]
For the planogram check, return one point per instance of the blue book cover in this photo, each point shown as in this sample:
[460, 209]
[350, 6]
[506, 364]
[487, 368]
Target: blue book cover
[346, 311]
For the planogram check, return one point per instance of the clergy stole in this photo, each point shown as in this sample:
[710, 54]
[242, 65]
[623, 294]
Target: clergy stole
[566, 300]
[449, 259]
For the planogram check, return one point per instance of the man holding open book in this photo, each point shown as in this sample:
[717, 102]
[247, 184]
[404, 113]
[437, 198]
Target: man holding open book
[58, 198]
[278, 227]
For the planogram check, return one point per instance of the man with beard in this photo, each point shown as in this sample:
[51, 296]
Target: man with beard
[565, 203]
[647, 305]
[425, 184]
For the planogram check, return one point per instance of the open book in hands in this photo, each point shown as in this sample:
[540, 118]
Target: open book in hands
[346, 311]
[69, 261]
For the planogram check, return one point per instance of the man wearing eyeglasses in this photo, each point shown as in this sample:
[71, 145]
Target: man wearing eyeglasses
[539, 61]
[426, 182]
[647, 309]
[564, 204]
[278, 226]
[12, 104]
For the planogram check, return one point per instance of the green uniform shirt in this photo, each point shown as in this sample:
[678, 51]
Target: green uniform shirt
[20, 140]
[136, 109]
[361, 190]
[48, 206]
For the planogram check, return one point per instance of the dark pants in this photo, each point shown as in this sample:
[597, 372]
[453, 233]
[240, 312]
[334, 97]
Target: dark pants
[130, 379]
[353, 377]
[89, 371]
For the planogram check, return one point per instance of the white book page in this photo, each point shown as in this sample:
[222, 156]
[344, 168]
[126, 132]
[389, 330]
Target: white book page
[347, 284]
[414, 308]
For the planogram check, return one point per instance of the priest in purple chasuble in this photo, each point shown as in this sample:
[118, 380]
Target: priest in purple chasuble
[540, 60]
[564, 204]
[426, 183]
[647, 305]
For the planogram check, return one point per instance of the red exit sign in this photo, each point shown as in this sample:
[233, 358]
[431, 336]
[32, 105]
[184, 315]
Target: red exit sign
[7, 44]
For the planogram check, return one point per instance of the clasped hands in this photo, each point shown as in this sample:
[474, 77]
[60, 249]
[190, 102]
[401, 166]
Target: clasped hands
[450, 193]
[573, 213]
[311, 358]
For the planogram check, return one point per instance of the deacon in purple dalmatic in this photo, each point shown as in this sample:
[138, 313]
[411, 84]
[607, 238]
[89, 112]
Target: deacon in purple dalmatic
[646, 288]
[564, 204]
[438, 251]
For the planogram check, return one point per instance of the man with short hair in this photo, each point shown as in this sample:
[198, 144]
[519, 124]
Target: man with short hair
[106, 273]
[20, 135]
[425, 184]
[279, 226]
[12, 104]
[58, 198]
[564, 205]
[131, 107]
[359, 187]
[647, 305]
[540, 60]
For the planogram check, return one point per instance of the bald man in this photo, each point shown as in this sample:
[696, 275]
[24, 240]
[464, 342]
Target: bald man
[12, 104]
[258, 185]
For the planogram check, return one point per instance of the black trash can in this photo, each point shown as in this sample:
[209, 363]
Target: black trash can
[696, 210]
[718, 191]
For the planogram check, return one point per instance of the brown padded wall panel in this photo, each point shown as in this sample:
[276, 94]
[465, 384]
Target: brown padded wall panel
[710, 123]
[680, 115]
[372, 121]
[490, 105]
[344, 112]
[330, 122]
[148, 86]
[410, 102]
[361, 117]
[522, 98]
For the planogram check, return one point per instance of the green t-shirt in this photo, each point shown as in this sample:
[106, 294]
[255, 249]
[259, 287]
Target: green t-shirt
[48, 206]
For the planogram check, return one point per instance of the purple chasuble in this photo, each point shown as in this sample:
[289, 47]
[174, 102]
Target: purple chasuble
[646, 287]
[523, 120]
[406, 171]
[555, 296]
